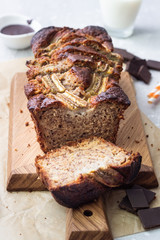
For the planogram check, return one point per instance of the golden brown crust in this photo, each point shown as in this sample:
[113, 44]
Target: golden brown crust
[72, 65]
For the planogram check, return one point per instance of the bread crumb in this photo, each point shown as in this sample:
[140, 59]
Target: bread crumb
[16, 149]
[8, 104]
[147, 136]
[151, 145]
[28, 145]
[27, 124]
[136, 141]
[21, 111]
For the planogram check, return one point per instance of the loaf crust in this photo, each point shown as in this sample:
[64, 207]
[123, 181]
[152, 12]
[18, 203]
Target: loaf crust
[74, 73]
[86, 186]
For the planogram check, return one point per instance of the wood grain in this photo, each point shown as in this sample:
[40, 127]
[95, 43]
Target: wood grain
[23, 147]
[88, 222]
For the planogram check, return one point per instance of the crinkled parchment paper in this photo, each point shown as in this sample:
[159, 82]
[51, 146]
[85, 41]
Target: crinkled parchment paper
[35, 215]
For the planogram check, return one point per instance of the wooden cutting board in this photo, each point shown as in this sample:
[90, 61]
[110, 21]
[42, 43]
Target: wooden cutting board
[89, 220]
[23, 147]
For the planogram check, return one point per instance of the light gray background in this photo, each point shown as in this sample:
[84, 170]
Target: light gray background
[78, 13]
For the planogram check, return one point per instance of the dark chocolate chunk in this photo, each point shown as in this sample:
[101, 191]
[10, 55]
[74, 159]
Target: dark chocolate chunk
[134, 65]
[150, 196]
[126, 205]
[124, 53]
[144, 74]
[153, 64]
[137, 198]
[150, 218]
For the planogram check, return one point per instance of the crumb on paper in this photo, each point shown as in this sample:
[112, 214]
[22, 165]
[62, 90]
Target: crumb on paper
[145, 124]
[136, 141]
[21, 111]
[8, 104]
[27, 124]
[151, 144]
[16, 149]
[28, 145]
[45, 218]
[147, 136]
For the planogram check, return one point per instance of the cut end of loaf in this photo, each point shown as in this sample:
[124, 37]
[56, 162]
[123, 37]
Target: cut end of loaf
[93, 162]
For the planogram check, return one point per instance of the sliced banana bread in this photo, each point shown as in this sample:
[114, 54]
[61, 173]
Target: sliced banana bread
[80, 171]
[72, 87]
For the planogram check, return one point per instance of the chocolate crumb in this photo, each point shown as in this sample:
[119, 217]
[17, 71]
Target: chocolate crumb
[147, 136]
[45, 218]
[28, 145]
[27, 124]
[128, 137]
[21, 111]
[151, 145]
[158, 149]
[136, 141]
[132, 127]
[29, 21]
[145, 124]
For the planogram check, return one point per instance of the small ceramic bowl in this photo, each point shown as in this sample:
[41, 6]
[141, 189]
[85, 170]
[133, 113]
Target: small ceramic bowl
[18, 41]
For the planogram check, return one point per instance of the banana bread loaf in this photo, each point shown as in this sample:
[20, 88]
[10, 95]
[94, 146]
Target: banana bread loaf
[80, 171]
[72, 87]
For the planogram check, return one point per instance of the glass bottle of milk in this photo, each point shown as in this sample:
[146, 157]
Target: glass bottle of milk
[119, 16]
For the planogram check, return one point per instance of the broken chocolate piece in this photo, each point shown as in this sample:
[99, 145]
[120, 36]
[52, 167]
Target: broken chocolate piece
[144, 74]
[124, 53]
[126, 205]
[134, 65]
[150, 196]
[153, 64]
[150, 218]
[137, 198]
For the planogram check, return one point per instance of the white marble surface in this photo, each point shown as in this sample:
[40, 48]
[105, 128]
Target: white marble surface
[78, 13]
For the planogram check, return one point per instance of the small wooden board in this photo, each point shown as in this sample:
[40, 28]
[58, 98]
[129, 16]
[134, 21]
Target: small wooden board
[23, 147]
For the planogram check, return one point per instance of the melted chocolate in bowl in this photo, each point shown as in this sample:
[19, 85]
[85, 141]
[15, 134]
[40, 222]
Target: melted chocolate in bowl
[16, 29]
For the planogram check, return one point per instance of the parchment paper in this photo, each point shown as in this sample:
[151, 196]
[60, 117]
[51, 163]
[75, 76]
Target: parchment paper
[35, 215]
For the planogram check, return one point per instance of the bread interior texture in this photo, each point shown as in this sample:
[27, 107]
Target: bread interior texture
[71, 163]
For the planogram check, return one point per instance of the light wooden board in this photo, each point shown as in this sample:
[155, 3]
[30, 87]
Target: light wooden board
[23, 147]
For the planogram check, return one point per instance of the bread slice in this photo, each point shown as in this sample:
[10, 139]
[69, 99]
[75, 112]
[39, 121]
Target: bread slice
[72, 88]
[79, 172]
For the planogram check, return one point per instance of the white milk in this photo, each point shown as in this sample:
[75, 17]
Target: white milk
[119, 14]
